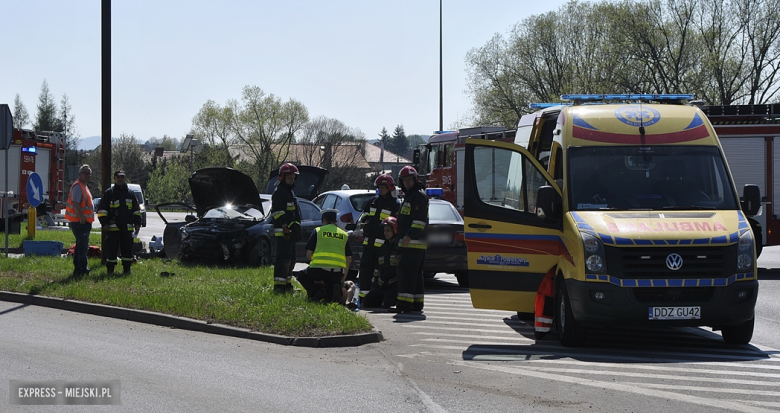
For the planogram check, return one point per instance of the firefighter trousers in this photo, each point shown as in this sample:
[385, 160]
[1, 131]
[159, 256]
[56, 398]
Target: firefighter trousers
[367, 266]
[284, 265]
[411, 283]
[117, 241]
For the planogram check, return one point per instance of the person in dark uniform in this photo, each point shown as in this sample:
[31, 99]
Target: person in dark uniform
[412, 225]
[120, 214]
[384, 292]
[330, 255]
[287, 227]
[382, 206]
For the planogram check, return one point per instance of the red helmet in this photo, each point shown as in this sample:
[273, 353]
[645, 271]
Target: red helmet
[287, 168]
[385, 179]
[407, 171]
[392, 222]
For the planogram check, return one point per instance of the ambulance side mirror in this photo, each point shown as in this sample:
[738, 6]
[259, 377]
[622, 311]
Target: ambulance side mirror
[416, 157]
[751, 200]
[548, 203]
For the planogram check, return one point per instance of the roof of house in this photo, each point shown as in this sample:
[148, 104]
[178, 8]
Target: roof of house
[374, 152]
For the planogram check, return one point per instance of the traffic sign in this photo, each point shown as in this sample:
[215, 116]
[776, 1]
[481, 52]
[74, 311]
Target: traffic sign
[34, 189]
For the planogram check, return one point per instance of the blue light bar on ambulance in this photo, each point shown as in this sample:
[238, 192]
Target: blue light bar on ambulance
[547, 105]
[634, 96]
[30, 149]
[442, 131]
[434, 192]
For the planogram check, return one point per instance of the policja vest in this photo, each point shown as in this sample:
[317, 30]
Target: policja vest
[329, 252]
[86, 204]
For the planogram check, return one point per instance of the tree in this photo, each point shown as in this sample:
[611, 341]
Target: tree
[168, 182]
[331, 144]
[21, 117]
[67, 124]
[214, 127]
[46, 118]
[724, 51]
[127, 153]
[266, 126]
[399, 143]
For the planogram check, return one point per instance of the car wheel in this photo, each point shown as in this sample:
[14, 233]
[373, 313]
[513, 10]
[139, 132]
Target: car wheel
[571, 332]
[739, 334]
[463, 278]
[261, 254]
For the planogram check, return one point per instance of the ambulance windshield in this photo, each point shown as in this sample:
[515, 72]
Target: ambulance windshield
[649, 178]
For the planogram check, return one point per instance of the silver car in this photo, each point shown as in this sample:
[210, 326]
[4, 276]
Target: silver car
[349, 203]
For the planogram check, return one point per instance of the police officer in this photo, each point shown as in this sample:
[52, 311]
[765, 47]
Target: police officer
[381, 207]
[412, 223]
[287, 227]
[330, 255]
[119, 213]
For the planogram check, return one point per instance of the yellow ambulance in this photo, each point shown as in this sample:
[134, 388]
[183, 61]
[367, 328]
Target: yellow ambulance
[628, 201]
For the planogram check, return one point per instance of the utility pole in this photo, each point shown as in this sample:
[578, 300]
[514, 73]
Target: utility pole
[441, 71]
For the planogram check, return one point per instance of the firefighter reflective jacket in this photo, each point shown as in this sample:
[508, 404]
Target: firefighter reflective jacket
[119, 210]
[377, 210]
[286, 211]
[413, 217]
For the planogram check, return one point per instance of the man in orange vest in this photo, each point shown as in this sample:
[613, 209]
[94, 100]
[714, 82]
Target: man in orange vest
[80, 215]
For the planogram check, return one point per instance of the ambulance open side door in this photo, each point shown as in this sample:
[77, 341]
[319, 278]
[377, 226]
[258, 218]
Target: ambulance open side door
[510, 248]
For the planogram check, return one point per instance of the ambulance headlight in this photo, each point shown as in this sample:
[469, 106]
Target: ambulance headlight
[595, 259]
[745, 252]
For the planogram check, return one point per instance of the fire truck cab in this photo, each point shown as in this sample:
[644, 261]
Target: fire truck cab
[629, 204]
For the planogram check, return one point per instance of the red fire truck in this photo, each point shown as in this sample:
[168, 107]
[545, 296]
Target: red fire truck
[43, 153]
[749, 135]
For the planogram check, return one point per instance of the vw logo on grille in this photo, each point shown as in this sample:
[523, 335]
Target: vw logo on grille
[674, 261]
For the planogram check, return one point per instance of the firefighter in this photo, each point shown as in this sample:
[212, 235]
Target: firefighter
[412, 223]
[330, 255]
[287, 227]
[80, 215]
[544, 305]
[381, 207]
[120, 214]
[385, 290]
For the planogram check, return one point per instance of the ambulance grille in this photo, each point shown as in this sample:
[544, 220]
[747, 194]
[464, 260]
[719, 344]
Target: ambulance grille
[668, 295]
[650, 263]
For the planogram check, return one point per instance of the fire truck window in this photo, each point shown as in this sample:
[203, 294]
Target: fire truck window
[448, 155]
[434, 156]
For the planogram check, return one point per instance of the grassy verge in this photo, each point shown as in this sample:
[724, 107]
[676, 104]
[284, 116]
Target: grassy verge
[240, 297]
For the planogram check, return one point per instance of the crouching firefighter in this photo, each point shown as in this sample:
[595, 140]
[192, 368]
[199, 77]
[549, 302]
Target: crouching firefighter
[544, 305]
[384, 292]
[380, 208]
[330, 257]
[286, 214]
[119, 213]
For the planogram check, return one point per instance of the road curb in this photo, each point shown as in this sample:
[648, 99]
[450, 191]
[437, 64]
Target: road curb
[185, 323]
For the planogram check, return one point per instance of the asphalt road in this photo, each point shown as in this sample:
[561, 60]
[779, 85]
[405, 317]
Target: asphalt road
[451, 358]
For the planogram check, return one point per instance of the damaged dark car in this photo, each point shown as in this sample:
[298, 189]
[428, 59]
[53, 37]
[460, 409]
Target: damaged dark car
[232, 224]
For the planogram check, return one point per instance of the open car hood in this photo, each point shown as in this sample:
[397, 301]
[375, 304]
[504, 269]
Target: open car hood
[216, 187]
[307, 185]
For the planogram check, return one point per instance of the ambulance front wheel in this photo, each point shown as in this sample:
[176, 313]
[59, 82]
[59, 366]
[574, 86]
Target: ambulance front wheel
[740, 333]
[570, 331]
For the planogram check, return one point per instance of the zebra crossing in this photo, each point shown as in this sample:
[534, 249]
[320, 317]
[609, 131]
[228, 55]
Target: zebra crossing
[687, 364]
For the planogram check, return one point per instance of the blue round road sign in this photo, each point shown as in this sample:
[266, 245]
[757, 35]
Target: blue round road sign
[34, 189]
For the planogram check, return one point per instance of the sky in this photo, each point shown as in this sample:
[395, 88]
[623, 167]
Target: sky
[368, 63]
